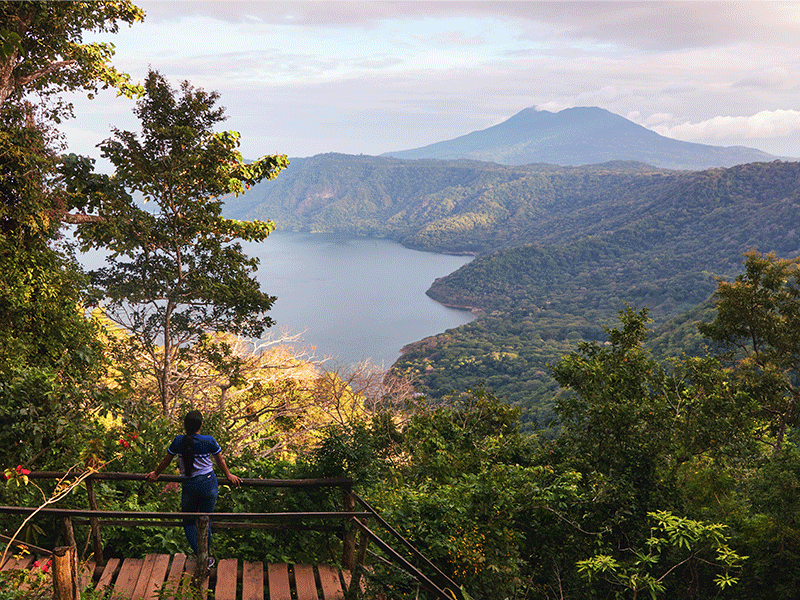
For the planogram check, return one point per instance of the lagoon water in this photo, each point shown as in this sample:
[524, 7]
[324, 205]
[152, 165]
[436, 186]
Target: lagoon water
[350, 299]
[354, 299]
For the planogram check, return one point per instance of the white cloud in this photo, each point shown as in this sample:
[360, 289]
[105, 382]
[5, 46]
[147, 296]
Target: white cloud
[376, 76]
[764, 124]
[657, 118]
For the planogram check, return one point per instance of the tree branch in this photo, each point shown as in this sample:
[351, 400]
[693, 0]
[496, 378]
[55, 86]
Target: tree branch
[80, 218]
[54, 66]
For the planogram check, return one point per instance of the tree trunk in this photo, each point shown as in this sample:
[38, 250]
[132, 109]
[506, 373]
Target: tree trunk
[65, 573]
[201, 569]
[94, 524]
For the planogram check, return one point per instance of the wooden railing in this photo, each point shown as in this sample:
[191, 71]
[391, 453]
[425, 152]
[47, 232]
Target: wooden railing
[349, 520]
[438, 583]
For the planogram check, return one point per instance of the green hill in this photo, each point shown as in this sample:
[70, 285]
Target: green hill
[437, 205]
[559, 250]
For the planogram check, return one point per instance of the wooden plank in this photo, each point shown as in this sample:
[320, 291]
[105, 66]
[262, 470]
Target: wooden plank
[159, 574]
[227, 574]
[329, 581]
[108, 574]
[278, 576]
[143, 581]
[128, 576]
[86, 574]
[14, 563]
[304, 582]
[151, 577]
[176, 568]
[253, 581]
[175, 576]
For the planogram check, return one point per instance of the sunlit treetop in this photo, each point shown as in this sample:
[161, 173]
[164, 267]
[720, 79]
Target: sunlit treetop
[42, 50]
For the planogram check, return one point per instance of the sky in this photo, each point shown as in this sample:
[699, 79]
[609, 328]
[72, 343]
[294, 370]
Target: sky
[305, 78]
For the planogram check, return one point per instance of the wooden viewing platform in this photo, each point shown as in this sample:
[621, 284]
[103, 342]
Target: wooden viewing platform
[231, 579]
[161, 576]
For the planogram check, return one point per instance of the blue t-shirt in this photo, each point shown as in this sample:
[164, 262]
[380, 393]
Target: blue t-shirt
[205, 447]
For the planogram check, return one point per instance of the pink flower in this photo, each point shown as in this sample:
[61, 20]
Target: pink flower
[172, 486]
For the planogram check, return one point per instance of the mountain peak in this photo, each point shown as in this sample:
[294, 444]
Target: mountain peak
[580, 136]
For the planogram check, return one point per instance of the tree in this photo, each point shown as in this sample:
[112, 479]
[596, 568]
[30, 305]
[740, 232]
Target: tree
[175, 272]
[648, 439]
[50, 356]
[617, 417]
[50, 359]
[757, 327]
[42, 49]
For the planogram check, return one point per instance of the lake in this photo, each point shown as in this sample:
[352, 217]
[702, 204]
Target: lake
[352, 298]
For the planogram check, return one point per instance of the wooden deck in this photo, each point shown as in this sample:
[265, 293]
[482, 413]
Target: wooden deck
[230, 579]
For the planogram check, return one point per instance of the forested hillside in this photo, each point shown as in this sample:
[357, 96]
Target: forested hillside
[437, 205]
[664, 247]
[560, 250]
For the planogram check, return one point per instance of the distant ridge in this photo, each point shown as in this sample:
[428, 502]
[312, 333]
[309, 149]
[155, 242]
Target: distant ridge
[581, 136]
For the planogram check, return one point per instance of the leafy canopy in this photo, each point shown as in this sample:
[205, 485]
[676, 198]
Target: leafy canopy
[175, 270]
[50, 359]
[42, 49]
[757, 328]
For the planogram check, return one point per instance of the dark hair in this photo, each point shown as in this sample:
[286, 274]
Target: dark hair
[191, 422]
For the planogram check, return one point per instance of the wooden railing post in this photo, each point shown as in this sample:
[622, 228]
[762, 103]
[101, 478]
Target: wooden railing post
[201, 569]
[349, 538]
[65, 573]
[94, 525]
[69, 533]
[355, 587]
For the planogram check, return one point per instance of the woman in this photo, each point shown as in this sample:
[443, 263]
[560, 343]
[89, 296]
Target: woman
[199, 488]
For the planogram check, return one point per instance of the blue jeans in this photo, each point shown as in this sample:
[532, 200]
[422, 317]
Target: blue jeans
[198, 494]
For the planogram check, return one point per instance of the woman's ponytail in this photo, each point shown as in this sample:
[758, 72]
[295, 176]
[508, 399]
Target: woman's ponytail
[191, 423]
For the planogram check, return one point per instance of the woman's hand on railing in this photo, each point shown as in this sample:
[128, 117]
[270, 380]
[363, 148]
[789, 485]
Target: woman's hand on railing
[234, 480]
[153, 475]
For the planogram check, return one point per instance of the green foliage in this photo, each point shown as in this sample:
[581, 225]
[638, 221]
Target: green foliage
[651, 439]
[455, 478]
[758, 323]
[346, 451]
[617, 423]
[27, 584]
[42, 49]
[465, 434]
[50, 358]
[175, 272]
[675, 544]
[770, 533]
[613, 419]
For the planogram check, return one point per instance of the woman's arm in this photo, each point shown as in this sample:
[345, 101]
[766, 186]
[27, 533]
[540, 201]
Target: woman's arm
[153, 475]
[220, 460]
